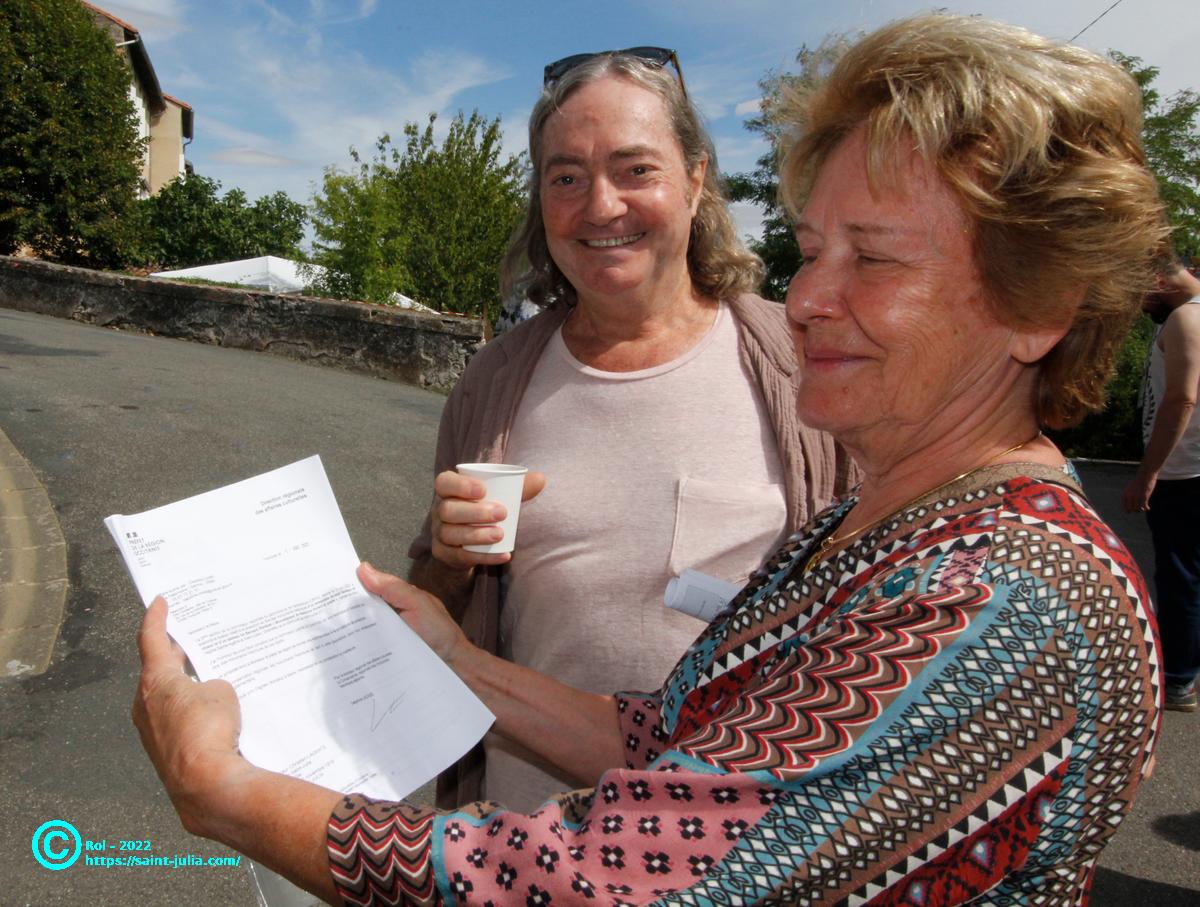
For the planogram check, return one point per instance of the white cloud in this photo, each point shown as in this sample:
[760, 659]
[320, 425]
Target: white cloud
[747, 219]
[231, 134]
[156, 20]
[251, 157]
[341, 12]
[182, 79]
[289, 103]
[515, 126]
[718, 83]
[740, 152]
[748, 107]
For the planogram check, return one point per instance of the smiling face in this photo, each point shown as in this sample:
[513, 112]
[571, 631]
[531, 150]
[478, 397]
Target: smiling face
[617, 200]
[888, 313]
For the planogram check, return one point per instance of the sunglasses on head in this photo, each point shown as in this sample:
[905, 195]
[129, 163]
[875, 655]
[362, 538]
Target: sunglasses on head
[657, 57]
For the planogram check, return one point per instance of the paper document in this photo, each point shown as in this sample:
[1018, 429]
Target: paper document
[334, 687]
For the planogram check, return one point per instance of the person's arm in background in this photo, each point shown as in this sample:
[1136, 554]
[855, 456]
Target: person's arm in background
[1180, 340]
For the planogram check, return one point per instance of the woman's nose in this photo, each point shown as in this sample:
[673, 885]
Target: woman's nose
[813, 293]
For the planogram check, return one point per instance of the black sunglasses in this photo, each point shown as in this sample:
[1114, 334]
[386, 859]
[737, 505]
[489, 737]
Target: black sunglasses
[658, 57]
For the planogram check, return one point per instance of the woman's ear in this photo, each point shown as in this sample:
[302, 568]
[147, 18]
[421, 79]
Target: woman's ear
[1029, 346]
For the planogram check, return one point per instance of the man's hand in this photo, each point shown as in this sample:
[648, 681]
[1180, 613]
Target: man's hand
[1137, 493]
[460, 516]
[423, 612]
[188, 729]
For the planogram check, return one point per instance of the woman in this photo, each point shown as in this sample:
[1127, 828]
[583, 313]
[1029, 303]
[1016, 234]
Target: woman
[657, 394]
[943, 690]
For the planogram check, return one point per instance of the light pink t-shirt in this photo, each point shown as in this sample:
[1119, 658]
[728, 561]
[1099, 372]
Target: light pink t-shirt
[648, 473]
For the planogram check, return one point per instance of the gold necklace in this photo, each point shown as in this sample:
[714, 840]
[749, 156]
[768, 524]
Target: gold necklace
[830, 540]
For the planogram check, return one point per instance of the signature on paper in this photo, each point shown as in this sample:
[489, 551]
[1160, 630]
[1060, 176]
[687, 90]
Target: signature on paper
[378, 718]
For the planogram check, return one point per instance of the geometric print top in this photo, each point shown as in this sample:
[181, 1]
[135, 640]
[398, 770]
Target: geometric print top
[957, 708]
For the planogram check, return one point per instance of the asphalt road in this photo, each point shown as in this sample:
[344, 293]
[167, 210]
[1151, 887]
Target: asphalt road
[117, 422]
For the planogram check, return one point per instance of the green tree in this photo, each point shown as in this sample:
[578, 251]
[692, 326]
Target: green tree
[429, 221]
[189, 223]
[69, 148]
[777, 246]
[360, 238]
[1171, 136]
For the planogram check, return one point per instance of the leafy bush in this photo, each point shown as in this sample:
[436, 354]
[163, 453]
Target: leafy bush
[187, 223]
[431, 222]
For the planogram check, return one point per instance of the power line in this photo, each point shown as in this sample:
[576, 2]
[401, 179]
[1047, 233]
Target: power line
[1097, 19]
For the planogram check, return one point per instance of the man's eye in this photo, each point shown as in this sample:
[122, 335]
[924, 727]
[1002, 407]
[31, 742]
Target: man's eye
[564, 180]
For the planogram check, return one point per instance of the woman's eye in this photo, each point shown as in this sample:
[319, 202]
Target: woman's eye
[564, 180]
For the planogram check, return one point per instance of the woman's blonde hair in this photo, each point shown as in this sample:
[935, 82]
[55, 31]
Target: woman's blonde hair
[1041, 144]
[719, 265]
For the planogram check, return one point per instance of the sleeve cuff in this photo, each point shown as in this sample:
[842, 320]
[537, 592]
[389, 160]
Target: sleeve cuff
[381, 852]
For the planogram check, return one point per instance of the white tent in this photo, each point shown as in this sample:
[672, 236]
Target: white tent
[277, 275]
[401, 301]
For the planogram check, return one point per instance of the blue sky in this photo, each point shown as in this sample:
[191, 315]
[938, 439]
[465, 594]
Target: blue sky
[282, 89]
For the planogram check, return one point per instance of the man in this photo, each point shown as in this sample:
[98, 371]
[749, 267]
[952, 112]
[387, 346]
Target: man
[1167, 483]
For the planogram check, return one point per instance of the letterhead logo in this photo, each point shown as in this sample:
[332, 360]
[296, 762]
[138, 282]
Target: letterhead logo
[56, 844]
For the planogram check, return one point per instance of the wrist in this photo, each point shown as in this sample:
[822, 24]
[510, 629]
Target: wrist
[213, 793]
[461, 654]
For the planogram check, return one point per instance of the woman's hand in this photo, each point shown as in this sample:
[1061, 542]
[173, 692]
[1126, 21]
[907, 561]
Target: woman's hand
[188, 729]
[460, 516]
[423, 612]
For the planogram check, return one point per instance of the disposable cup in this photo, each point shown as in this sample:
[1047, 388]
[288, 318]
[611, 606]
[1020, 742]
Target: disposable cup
[504, 484]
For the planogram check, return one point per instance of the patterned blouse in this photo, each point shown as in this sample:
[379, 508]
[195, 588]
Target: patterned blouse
[956, 708]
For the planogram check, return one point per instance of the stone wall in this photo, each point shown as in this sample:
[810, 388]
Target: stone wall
[428, 350]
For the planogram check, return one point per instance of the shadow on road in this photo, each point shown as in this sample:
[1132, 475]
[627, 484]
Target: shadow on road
[15, 347]
[1182, 829]
[1116, 889]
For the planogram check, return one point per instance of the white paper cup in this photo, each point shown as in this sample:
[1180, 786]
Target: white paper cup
[504, 484]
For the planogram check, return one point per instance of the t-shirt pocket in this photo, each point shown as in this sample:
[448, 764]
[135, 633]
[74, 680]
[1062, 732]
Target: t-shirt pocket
[726, 530]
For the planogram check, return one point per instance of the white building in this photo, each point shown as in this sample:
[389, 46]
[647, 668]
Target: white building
[165, 121]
